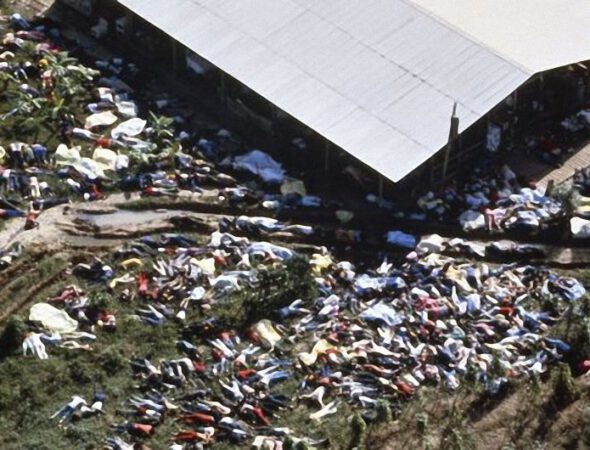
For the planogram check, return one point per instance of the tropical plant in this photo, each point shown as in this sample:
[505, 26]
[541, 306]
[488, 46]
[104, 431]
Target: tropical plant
[5, 80]
[70, 83]
[359, 432]
[161, 129]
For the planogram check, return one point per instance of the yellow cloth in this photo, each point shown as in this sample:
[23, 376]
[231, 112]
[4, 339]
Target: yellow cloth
[458, 277]
[320, 347]
[267, 333]
[105, 158]
[132, 262]
[435, 259]
[293, 186]
[101, 119]
[127, 278]
[583, 209]
[52, 318]
[320, 262]
[65, 156]
[206, 265]
[344, 216]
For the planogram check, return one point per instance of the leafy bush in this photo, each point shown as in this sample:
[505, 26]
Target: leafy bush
[565, 390]
[12, 336]
[359, 432]
[384, 413]
[275, 288]
[422, 423]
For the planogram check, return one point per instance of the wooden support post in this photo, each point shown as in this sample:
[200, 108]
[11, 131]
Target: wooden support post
[130, 25]
[223, 89]
[446, 161]
[327, 157]
[453, 133]
[514, 117]
[550, 186]
[380, 187]
[175, 65]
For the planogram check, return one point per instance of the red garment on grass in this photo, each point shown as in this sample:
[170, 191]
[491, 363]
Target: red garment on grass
[141, 429]
[104, 142]
[259, 414]
[142, 283]
[189, 436]
[243, 374]
[197, 417]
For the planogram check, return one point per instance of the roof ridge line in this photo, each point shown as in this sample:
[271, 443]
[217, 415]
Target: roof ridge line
[323, 83]
[467, 35]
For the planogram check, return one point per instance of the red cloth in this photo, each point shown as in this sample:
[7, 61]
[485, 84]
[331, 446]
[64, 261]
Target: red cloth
[197, 417]
[141, 429]
[217, 354]
[584, 366]
[142, 283]
[189, 436]
[103, 142]
[219, 260]
[199, 367]
[243, 374]
[494, 197]
[259, 414]
[404, 388]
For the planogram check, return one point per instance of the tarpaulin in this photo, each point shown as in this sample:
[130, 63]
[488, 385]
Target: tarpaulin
[261, 164]
[131, 127]
[52, 318]
[105, 118]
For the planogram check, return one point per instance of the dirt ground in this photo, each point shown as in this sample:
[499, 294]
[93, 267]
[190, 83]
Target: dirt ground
[48, 234]
[524, 418]
[28, 7]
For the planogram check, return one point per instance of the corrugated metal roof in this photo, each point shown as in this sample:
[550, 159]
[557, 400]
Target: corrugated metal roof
[377, 78]
[536, 34]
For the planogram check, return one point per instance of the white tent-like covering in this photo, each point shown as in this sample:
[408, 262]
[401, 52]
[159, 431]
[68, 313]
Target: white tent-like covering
[379, 78]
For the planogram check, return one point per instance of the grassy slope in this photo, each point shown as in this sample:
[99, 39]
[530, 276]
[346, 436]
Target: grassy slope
[43, 386]
[527, 416]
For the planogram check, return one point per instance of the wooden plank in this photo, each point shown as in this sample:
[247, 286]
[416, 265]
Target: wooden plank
[578, 160]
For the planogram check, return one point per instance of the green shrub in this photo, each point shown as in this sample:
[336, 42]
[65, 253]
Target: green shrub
[12, 336]
[359, 432]
[422, 423]
[111, 360]
[383, 410]
[565, 390]
[78, 372]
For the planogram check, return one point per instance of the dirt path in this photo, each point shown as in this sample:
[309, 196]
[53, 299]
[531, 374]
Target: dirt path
[48, 233]
[102, 224]
[28, 7]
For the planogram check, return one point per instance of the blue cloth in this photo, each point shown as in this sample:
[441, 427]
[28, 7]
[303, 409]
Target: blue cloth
[382, 313]
[558, 344]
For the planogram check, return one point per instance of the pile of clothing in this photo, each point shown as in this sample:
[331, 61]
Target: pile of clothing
[9, 253]
[114, 149]
[68, 320]
[369, 336]
[492, 201]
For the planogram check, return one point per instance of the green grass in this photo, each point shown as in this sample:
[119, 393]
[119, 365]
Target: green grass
[44, 386]
[41, 387]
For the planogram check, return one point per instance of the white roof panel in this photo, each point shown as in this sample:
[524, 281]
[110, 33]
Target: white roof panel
[534, 34]
[379, 77]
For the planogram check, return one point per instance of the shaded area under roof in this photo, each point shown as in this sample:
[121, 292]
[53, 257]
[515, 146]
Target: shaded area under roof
[377, 78]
